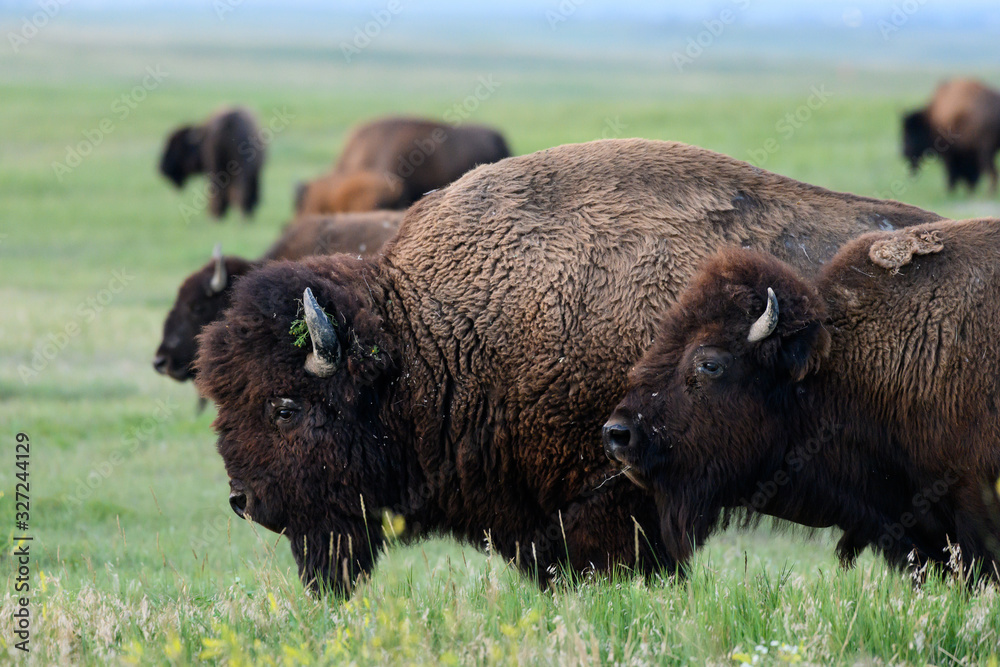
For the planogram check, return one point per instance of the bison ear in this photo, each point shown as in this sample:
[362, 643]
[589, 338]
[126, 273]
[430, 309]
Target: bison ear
[803, 352]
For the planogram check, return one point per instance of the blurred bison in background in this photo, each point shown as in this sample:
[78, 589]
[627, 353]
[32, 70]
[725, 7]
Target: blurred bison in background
[205, 294]
[391, 163]
[343, 193]
[866, 398]
[962, 126]
[228, 149]
[460, 379]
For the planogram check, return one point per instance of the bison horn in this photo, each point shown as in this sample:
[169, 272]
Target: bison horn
[218, 282]
[324, 360]
[766, 323]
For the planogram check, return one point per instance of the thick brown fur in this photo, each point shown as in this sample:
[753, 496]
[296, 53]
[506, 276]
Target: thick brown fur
[390, 163]
[197, 304]
[228, 149]
[873, 406]
[486, 346]
[961, 125]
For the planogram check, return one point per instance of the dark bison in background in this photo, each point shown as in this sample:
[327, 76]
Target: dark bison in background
[391, 163]
[961, 125]
[228, 149]
[865, 398]
[205, 294]
[461, 378]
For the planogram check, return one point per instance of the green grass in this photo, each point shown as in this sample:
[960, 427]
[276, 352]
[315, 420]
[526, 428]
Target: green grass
[136, 556]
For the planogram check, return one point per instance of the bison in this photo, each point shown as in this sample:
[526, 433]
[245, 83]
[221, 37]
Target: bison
[205, 294]
[866, 398]
[391, 163]
[228, 149]
[961, 125]
[460, 379]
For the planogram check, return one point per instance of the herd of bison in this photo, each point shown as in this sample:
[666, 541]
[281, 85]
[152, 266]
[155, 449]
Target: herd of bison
[594, 356]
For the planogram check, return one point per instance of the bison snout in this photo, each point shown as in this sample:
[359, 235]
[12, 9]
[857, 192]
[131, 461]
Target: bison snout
[160, 364]
[238, 501]
[238, 498]
[618, 438]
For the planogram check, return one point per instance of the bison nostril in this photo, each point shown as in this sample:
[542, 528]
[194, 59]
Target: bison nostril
[238, 501]
[160, 363]
[616, 438]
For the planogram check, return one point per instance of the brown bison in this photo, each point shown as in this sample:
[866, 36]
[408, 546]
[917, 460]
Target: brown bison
[391, 163]
[962, 126]
[205, 294]
[460, 379]
[228, 149]
[865, 398]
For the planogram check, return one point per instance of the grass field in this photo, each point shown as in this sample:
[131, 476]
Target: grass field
[136, 556]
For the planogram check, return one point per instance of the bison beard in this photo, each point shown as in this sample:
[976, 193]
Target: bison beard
[333, 560]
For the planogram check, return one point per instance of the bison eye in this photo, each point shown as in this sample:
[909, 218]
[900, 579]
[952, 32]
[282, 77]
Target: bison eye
[285, 410]
[711, 368]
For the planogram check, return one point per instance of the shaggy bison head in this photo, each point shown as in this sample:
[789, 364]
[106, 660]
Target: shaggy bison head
[707, 403]
[299, 367]
[200, 301]
[917, 138]
[182, 155]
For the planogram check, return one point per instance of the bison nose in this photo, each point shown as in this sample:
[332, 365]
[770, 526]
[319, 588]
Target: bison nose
[238, 501]
[160, 363]
[617, 438]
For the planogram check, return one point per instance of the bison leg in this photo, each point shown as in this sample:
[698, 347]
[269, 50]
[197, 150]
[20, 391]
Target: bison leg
[218, 202]
[977, 530]
[988, 165]
[850, 546]
[952, 168]
[250, 193]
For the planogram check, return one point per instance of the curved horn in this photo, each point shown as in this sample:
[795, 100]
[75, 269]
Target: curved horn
[324, 360]
[218, 282]
[766, 323]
